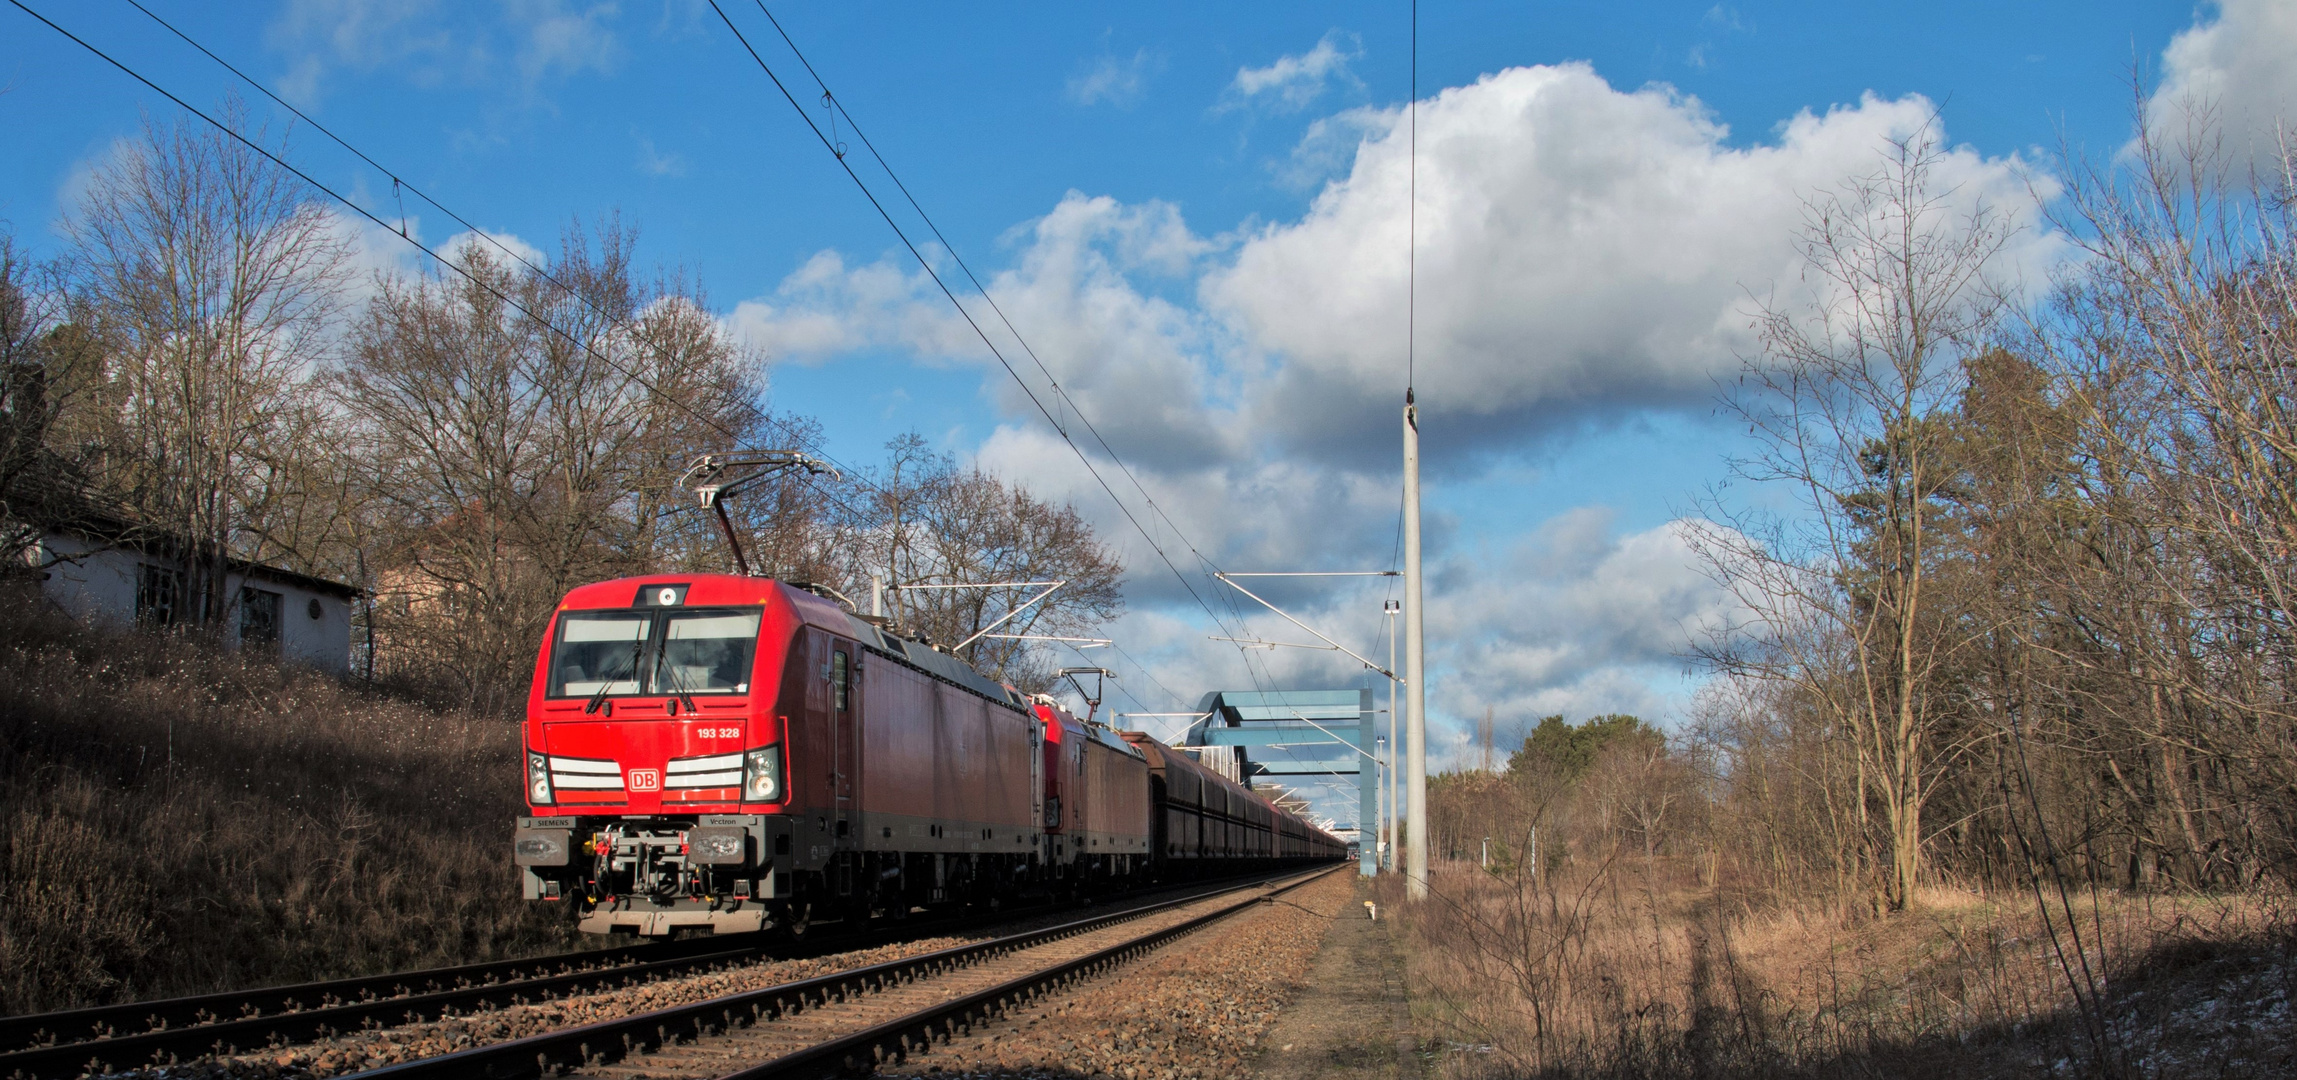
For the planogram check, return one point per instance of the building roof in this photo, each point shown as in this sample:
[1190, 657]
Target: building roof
[54, 499]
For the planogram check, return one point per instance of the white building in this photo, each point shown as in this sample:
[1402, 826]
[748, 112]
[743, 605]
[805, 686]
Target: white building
[305, 618]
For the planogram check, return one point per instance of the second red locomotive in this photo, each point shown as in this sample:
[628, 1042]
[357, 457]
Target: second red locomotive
[724, 753]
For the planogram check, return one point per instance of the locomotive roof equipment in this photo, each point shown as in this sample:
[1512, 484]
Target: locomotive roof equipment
[718, 477]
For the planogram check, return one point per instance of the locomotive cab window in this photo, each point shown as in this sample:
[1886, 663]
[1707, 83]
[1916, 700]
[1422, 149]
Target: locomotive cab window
[641, 652]
[839, 668]
[597, 650]
[707, 652]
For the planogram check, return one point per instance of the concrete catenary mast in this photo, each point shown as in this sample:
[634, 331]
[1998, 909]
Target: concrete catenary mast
[1415, 672]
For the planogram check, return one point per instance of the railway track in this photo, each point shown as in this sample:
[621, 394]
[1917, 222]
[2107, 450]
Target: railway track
[119, 1037]
[844, 1020]
[122, 1036]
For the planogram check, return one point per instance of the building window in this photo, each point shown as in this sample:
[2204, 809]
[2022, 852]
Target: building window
[159, 594]
[258, 617]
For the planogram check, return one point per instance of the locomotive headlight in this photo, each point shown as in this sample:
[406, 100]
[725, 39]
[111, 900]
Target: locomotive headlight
[762, 774]
[537, 779]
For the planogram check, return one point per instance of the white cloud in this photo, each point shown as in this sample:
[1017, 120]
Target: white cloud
[428, 45]
[1113, 81]
[1328, 147]
[826, 308]
[1135, 361]
[554, 39]
[1573, 619]
[653, 162]
[1583, 251]
[498, 246]
[380, 253]
[1580, 248]
[2236, 68]
[1578, 619]
[1294, 82]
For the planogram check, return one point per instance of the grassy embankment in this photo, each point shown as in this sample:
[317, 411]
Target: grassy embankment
[1619, 973]
[178, 818]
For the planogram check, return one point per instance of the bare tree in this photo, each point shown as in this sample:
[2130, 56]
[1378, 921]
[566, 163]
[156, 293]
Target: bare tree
[1847, 403]
[525, 429]
[212, 278]
[929, 521]
[2172, 343]
[44, 364]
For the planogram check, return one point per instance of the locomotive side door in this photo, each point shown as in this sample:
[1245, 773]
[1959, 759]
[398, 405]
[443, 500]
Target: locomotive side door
[1036, 776]
[845, 751]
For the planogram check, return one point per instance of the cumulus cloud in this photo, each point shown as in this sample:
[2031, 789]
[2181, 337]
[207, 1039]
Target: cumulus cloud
[1580, 248]
[1135, 362]
[428, 44]
[1584, 251]
[827, 308]
[2237, 69]
[497, 246]
[1294, 82]
[1578, 619]
[1113, 81]
[1574, 619]
[379, 255]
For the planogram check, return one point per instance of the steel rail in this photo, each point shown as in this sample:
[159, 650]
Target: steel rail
[102, 1021]
[238, 1021]
[897, 1038]
[249, 1033]
[549, 1052]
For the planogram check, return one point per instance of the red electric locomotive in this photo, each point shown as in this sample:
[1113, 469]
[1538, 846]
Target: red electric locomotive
[1097, 815]
[727, 753]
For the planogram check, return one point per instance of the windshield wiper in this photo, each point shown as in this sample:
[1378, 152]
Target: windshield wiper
[677, 681]
[607, 683]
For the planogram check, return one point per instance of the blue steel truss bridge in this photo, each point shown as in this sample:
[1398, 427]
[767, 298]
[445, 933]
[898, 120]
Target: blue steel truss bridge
[1295, 737]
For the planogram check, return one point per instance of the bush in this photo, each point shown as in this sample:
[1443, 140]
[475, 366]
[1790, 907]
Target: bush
[180, 819]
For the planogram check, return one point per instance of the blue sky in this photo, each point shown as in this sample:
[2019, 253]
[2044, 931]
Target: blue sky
[1194, 213]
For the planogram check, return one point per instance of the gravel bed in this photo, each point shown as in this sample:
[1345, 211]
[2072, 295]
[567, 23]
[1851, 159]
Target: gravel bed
[1193, 1010]
[388, 1046]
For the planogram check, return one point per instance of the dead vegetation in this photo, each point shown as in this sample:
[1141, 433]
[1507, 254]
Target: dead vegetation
[1602, 971]
[175, 818]
[1994, 777]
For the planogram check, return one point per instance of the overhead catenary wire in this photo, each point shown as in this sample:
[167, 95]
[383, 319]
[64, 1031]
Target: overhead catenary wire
[836, 106]
[541, 272]
[399, 183]
[363, 212]
[714, 423]
[837, 150]
[1035, 399]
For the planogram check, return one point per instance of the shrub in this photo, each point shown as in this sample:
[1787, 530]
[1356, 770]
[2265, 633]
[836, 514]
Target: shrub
[180, 818]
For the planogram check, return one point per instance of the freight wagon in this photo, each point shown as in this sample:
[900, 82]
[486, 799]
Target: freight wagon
[723, 753]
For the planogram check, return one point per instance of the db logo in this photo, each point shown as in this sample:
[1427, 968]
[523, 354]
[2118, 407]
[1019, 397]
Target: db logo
[645, 780]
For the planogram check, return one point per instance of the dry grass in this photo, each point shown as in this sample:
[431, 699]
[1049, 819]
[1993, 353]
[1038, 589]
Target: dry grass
[1625, 971]
[180, 819]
